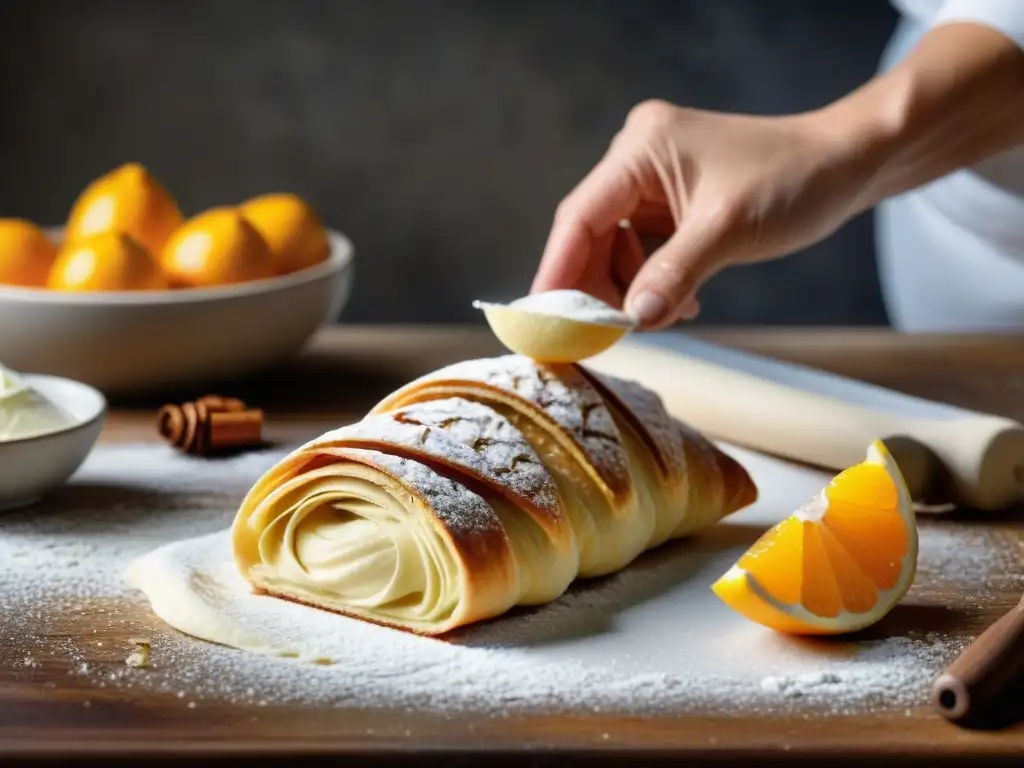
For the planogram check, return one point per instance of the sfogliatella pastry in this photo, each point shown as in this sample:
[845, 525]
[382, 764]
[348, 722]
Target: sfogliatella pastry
[484, 485]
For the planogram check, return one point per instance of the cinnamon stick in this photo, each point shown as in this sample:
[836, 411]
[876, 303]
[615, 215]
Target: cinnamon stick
[987, 677]
[212, 424]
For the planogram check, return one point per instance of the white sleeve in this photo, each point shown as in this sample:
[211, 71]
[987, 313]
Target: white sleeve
[1006, 16]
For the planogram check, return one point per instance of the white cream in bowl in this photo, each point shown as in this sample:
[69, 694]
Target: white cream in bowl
[48, 426]
[25, 412]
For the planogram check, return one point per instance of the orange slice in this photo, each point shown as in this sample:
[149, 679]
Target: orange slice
[111, 261]
[838, 564]
[129, 200]
[291, 228]
[26, 253]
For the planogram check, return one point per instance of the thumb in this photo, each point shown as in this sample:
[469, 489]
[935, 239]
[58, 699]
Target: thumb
[665, 288]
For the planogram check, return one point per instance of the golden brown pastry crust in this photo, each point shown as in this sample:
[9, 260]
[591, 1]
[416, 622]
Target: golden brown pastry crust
[559, 396]
[520, 511]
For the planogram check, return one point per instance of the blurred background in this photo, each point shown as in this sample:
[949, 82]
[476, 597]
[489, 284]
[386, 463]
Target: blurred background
[438, 134]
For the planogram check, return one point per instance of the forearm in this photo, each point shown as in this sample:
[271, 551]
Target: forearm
[955, 100]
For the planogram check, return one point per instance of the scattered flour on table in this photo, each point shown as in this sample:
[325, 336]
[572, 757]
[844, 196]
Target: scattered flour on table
[650, 639]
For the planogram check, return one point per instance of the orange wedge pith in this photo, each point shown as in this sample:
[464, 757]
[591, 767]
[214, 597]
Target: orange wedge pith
[838, 564]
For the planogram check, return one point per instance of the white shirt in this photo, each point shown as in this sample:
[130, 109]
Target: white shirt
[951, 254]
[1005, 15]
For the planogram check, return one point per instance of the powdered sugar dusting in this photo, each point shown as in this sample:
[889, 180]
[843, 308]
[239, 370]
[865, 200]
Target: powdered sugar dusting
[469, 435]
[561, 392]
[462, 512]
[574, 305]
[879, 677]
[650, 639]
[649, 410]
[126, 500]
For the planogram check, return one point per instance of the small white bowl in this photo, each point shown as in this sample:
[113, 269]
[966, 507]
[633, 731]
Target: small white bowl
[32, 467]
[130, 342]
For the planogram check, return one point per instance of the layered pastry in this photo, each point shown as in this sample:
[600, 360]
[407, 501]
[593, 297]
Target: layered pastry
[482, 486]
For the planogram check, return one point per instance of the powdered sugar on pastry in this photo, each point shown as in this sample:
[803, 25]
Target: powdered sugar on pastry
[560, 391]
[467, 435]
[462, 511]
[650, 418]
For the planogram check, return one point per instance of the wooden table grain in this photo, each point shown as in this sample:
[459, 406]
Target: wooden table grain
[44, 716]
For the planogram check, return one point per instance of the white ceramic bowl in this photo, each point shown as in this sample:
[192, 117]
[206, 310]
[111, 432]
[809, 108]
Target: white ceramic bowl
[32, 467]
[128, 342]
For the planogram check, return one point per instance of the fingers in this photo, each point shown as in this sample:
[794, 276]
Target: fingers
[598, 279]
[665, 288]
[584, 221]
[589, 251]
[627, 258]
[690, 309]
[652, 220]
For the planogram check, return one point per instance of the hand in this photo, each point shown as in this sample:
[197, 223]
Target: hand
[723, 189]
[727, 189]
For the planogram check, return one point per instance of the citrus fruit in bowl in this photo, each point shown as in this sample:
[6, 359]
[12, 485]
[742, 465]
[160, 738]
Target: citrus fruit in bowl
[129, 200]
[217, 247]
[131, 296]
[134, 341]
[26, 253]
[291, 229]
[109, 261]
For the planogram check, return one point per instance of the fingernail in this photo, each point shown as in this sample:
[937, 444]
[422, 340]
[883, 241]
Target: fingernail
[648, 307]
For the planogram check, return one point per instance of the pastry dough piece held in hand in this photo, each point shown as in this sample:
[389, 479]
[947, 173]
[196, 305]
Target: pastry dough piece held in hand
[557, 326]
[482, 486]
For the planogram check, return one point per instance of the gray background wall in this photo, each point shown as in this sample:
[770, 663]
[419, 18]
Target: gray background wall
[438, 134]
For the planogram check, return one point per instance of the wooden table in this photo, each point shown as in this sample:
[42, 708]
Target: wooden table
[344, 372]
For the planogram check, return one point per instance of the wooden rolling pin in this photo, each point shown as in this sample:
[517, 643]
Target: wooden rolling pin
[946, 455]
[988, 676]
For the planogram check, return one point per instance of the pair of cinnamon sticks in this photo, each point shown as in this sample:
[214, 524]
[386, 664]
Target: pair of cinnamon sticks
[211, 425]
